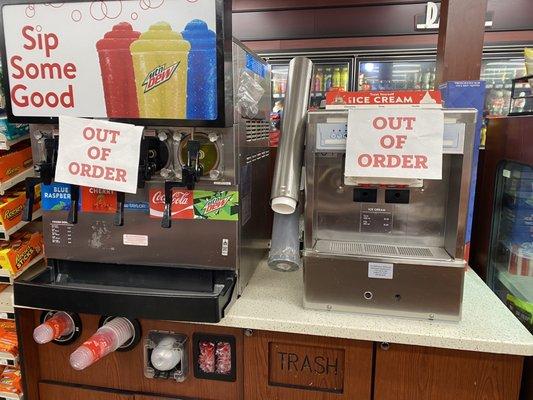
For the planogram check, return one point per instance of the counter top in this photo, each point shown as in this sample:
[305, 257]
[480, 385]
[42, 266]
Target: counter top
[272, 301]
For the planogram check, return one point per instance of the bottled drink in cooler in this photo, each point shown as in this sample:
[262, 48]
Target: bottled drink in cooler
[319, 80]
[106, 340]
[345, 77]
[328, 79]
[59, 325]
[336, 80]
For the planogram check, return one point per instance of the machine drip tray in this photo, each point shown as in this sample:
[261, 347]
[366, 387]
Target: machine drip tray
[338, 247]
[134, 291]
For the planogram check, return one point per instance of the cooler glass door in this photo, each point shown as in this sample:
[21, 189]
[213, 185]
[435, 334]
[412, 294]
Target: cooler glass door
[510, 269]
[498, 73]
[395, 74]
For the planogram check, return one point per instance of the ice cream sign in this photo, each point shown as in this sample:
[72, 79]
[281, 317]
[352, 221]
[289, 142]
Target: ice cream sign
[124, 59]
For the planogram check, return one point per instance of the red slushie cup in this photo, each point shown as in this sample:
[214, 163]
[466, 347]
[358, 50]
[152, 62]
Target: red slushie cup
[116, 67]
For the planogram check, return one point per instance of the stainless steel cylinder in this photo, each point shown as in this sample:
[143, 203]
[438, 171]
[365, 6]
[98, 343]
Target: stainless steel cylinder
[288, 170]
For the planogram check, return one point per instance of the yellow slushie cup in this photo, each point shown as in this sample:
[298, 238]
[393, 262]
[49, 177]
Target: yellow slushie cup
[160, 63]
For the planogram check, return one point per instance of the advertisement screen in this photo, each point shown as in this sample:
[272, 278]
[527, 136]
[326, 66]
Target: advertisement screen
[117, 59]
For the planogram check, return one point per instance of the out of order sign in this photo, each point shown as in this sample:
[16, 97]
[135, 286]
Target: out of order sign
[394, 143]
[98, 154]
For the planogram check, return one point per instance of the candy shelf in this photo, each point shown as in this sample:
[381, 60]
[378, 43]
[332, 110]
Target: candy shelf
[8, 359]
[5, 143]
[7, 309]
[4, 186]
[4, 235]
[11, 396]
[7, 277]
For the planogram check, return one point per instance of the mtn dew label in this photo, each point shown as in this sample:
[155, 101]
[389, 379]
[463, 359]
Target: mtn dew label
[221, 206]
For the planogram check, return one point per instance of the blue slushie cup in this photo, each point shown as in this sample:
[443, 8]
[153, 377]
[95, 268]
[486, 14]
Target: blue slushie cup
[202, 71]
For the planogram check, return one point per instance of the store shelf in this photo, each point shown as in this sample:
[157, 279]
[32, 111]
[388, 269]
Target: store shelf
[11, 396]
[8, 359]
[521, 286]
[4, 186]
[7, 308]
[4, 235]
[5, 143]
[7, 277]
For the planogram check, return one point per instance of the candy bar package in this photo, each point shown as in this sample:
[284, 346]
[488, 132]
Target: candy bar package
[15, 160]
[17, 253]
[12, 206]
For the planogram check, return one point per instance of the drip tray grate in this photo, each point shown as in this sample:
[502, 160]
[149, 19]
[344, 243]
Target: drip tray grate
[380, 249]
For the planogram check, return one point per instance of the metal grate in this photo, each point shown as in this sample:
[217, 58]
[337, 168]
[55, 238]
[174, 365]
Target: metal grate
[370, 248]
[346, 247]
[257, 156]
[257, 129]
[380, 249]
[415, 251]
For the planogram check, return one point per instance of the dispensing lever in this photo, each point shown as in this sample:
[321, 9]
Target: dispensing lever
[189, 176]
[119, 214]
[167, 217]
[74, 200]
[27, 214]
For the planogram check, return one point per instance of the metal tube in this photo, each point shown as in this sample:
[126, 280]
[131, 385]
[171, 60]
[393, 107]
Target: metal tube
[285, 246]
[288, 170]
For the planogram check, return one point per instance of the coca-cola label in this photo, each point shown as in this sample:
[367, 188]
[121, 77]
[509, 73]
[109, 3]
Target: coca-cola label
[182, 204]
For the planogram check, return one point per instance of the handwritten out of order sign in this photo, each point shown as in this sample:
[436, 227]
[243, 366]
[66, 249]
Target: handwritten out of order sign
[394, 143]
[98, 154]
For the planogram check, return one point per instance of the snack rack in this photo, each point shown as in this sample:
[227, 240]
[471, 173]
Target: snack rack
[11, 136]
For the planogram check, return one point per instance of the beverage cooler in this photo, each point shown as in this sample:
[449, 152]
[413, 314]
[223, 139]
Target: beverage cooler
[397, 72]
[328, 73]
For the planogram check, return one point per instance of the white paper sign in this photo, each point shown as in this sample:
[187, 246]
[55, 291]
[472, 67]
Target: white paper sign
[98, 154]
[394, 143]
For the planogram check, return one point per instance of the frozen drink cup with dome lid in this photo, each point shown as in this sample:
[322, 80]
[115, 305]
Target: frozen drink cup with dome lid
[202, 76]
[160, 59]
[116, 68]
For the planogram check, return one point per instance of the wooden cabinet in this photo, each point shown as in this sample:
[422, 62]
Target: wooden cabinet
[60, 392]
[282, 366]
[424, 373]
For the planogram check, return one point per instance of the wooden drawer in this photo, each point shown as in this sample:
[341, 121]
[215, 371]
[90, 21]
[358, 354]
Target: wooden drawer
[281, 366]
[59, 392]
[423, 373]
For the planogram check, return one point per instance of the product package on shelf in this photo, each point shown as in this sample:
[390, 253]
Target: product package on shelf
[521, 260]
[10, 381]
[13, 131]
[15, 161]
[12, 206]
[17, 253]
[8, 338]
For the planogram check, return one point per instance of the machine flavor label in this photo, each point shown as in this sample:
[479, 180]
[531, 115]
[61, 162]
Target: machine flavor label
[98, 200]
[182, 204]
[55, 197]
[197, 204]
[223, 206]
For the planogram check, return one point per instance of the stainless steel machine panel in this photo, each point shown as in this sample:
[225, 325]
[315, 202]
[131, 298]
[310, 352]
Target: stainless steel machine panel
[412, 236]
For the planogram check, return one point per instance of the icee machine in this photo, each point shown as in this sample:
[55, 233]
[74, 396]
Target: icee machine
[373, 247]
[186, 244]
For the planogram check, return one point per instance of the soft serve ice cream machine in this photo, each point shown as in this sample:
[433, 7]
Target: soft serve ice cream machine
[373, 245]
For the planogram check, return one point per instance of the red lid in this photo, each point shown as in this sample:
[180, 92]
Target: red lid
[120, 37]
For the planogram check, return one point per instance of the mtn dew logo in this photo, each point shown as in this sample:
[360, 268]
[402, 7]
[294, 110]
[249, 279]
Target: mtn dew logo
[222, 206]
[158, 76]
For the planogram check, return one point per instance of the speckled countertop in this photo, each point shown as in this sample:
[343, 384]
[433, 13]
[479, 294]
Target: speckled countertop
[273, 301]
